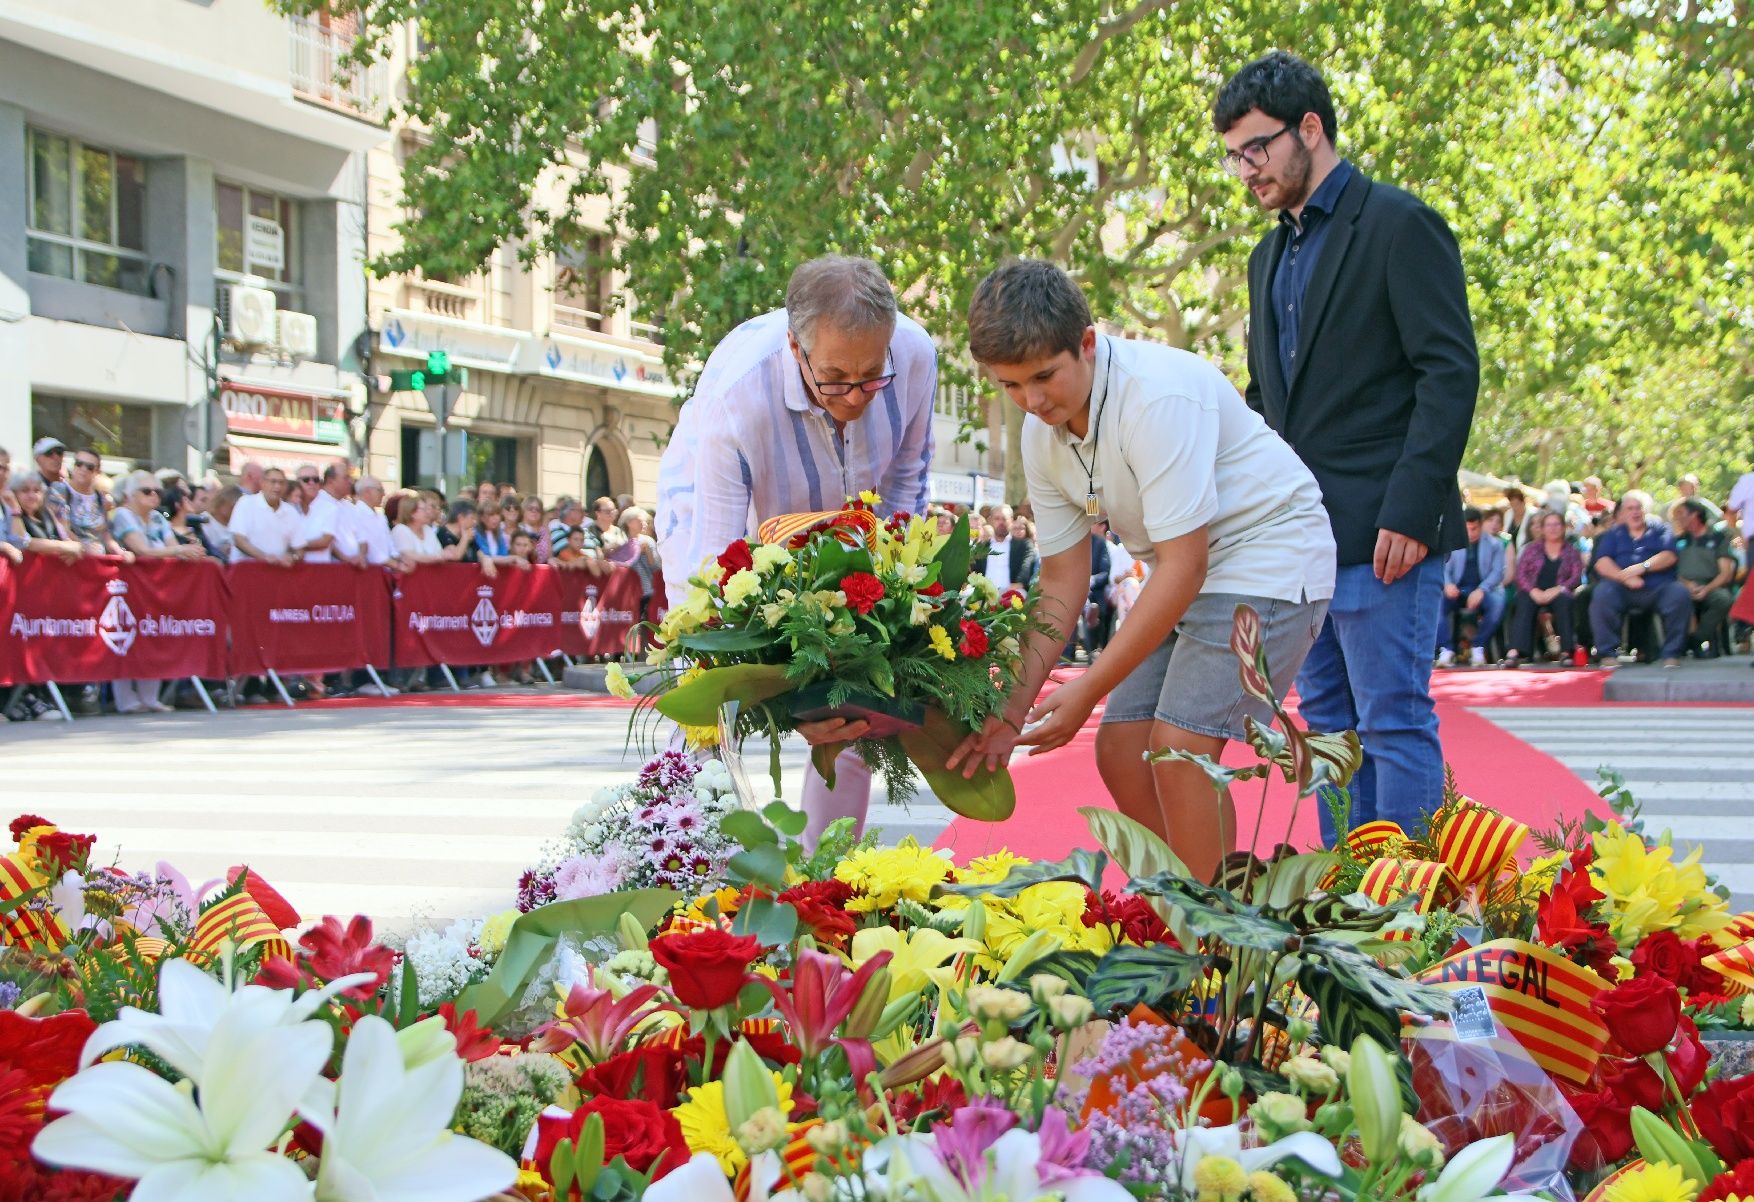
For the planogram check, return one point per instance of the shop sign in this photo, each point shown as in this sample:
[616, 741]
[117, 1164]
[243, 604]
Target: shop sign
[953, 488]
[280, 413]
[264, 244]
[575, 357]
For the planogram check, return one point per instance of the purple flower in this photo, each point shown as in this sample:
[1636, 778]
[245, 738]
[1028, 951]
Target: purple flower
[587, 876]
[534, 889]
[963, 1144]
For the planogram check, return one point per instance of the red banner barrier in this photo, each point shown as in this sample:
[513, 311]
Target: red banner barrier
[598, 612]
[102, 619]
[315, 617]
[449, 613]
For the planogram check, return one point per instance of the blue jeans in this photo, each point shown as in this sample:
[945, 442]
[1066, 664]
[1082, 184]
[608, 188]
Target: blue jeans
[1491, 613]
[1370, 671]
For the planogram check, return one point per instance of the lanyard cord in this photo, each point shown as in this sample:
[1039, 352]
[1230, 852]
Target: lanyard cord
[1091, 508]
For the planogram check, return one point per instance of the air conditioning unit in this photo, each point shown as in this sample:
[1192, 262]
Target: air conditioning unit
[249, 315]
[298, 333]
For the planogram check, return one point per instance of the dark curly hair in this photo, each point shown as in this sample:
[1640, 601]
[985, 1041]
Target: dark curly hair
[1282, 86]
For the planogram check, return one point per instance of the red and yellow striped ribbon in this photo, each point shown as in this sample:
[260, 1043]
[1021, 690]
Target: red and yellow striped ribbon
[36, 930]
[1388, 880]
[799, 1158]
[675, 1036]
[240, 919]
[1372, 836]
[1540, 998]
[854, 527]
[1736, 966]
[1478, 844]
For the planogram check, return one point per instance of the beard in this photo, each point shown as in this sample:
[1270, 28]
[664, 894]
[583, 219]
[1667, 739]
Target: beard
[1290, 186]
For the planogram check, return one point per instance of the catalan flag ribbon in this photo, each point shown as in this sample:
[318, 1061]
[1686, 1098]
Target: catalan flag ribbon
[1478, 843]
[241, 919]
[22, 926]
[1374, 836]
[798, 1157]
[1388, 880]
[1537, 997]
[1736, 966]
[854, 527]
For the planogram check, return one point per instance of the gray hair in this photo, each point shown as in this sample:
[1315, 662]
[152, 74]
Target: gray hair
[851, 294]
[632, 512]
[29, 478]
[137, 480]
[367, 482]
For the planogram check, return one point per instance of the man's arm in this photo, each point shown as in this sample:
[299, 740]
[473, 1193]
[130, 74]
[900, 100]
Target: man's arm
[1428, 296]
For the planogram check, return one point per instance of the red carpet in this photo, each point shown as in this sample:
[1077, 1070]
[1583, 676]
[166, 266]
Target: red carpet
[477, 699]
[1491, 766]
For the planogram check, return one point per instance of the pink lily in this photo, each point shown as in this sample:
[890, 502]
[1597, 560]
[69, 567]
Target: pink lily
[823, 994]
[596, 1020]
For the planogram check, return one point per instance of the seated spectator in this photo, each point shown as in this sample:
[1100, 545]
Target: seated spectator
[531, 523]
[1548, 573]
[81, 502]
[174, 504]
[1595, 501]
[144, 530]
[1705, 563]
[265, 527]
[1687, 489]
[216, 530]
[32, 528]
[415, 540]
[1635, 573]
[1472, 580]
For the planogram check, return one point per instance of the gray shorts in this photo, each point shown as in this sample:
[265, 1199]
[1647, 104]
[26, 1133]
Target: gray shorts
[1191, 680]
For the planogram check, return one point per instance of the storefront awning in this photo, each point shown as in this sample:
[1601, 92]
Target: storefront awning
[284, 453]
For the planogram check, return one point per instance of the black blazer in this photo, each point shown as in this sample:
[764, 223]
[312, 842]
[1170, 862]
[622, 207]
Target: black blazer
[1382, 392]
[1024, 561]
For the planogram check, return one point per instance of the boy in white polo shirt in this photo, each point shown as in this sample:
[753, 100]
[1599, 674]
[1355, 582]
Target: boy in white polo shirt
[1195, 485]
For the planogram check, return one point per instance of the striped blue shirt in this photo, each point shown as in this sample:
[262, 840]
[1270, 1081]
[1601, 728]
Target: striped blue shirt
[751, 445]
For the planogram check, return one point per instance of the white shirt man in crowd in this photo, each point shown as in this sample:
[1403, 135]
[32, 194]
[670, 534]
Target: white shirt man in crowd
[326, 534]
[796, 411]
[265, 527]
[250, 478]
[371, 529]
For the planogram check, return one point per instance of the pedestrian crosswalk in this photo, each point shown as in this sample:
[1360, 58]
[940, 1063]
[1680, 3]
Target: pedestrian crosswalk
[412, 815]
[1691, 768]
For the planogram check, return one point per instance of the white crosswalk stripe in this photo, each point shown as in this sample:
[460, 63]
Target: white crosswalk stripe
[411, 815]
[1691, 768]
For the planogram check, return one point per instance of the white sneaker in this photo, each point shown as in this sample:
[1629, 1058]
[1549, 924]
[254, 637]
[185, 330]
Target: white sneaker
[486, 681]
[1477, 657]
[372, 690]
[1446, 658]
[50, 715]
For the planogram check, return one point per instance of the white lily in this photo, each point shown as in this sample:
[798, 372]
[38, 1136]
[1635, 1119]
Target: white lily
[213, 1143]
[1196, 1143]
[386, 1129]
[190, 1007]
[1473, 1173]
[911, 1166]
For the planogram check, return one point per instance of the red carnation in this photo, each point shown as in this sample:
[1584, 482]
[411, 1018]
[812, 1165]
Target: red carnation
[934, 589]
[821, 907]
[25, 822]
[1738, 1182]
[1641, 1015]
[706, 967]
[649, 1139]
[1139, 923]
[863, 590]
[24, 1180]
[333, 951]
[974, 640]
[46, 1050]
[736, 557]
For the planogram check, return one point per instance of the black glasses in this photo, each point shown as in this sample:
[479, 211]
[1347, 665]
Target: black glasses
[308, 480]
[150, 492]
[90, 467]
[1253, 153]
[843, 387]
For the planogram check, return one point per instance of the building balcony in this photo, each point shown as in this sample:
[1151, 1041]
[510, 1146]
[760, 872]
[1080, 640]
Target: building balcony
[323, 74]
[459, 302]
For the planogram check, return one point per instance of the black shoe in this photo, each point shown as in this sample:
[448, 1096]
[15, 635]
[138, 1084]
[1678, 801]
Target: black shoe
[87, 701]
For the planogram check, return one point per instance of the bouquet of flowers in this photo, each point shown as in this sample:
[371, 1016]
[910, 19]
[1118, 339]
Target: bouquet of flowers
[847, 614]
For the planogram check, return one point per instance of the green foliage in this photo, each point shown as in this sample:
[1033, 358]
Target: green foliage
[1128, 976]
[1084, 867]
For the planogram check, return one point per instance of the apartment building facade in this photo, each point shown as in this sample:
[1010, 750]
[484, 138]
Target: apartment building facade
[182, 233]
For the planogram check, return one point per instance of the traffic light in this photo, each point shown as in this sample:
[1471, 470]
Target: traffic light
[438, 370]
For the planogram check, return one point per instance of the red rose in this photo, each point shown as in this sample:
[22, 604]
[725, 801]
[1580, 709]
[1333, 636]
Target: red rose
[736, 557]
[1607, 1131]
[1724, 1113]
[654, 1074]
[1738, 1182]
[1700, 981]
[706, 967]
[1632, 1082]
[934, 589]
[61, 852]
[974, 640]
[863, 590]
[1663, 954]
[649, 1139]
[1642, 1015]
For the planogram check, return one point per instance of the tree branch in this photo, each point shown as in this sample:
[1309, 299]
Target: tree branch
[1110, 29]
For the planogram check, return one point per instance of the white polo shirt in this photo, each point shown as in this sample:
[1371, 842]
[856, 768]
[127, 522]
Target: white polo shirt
[270, 531]
[998, 568]
[327, 516]
[371, 531]
[1175, 448]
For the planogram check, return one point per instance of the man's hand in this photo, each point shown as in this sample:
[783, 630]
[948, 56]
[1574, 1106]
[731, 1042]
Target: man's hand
[1475, 598]
[285, 561]
[1396, 555]
[830, 731]
[1632, 581]
[1451, 591]
[992, 744]
[1057, 718]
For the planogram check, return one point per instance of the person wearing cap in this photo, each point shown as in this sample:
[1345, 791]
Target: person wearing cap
[51, 455]
[76, 498]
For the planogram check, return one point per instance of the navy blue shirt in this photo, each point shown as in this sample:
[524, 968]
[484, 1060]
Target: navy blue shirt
[1297, 262]
[1619, 545]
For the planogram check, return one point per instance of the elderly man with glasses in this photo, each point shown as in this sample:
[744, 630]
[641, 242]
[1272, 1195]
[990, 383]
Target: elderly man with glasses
[796, 411]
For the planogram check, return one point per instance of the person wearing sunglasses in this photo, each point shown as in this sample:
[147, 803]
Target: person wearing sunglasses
[1361, 355]
[75, 499]
[796, 411]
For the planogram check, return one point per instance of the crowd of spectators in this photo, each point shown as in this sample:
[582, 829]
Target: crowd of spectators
[1576, 576]
[65, 506]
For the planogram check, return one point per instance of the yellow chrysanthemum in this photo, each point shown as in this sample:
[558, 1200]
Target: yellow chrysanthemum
[941, 643]
[1219, 1179]
[496, 930]
[870, 498]
[769, 556]
[885, 874]
[1646, 891]
[707, 1128]
[1265, 1187]
[990, 869]
[1653, 1183]
[728, 897]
